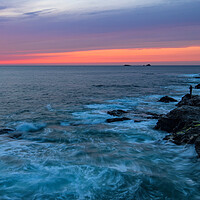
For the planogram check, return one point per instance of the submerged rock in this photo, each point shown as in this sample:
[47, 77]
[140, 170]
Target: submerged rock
[197, 86]
[193, 100]
[116, 112]
[6, 130]
[167, 99]
[153, 115]
[15, 135]
[146, 115]
[138, 120]
[117, 119]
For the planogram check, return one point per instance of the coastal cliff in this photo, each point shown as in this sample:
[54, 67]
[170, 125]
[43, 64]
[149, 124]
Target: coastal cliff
[183, 123]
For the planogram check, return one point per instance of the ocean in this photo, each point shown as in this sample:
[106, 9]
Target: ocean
[67, 150]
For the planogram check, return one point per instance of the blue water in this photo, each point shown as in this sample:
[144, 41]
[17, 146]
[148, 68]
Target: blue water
[68, 151]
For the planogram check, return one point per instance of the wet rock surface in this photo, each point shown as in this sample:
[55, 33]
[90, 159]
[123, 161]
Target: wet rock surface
[188, 100]
[167, 99]
[116, 112]
[183, 122]
[178, 119]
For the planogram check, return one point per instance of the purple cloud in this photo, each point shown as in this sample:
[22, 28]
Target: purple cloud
[171, 24]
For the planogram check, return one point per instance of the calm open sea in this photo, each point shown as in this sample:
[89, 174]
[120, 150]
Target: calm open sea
[68, 151]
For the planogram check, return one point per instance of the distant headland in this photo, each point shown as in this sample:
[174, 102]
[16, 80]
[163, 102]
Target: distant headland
[128, 65]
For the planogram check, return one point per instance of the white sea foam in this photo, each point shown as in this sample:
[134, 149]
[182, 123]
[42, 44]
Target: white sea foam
[105, 106]
[29, 127]
[90, 117]
[189, 75]
[64, 123]
[49, 107]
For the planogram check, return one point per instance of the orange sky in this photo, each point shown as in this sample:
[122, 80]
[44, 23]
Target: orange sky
[110, 56]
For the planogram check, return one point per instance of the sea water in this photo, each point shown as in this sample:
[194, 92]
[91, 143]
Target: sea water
[67, 150]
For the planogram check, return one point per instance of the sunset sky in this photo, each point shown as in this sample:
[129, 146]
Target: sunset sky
[99, 32]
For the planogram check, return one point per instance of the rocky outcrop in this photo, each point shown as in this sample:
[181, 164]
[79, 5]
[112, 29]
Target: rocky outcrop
[117, 119]
[116, 112]
[183, 122]
[167, 99]
[178, 118]
[188, 100]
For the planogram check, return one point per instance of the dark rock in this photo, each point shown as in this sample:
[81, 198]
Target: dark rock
[15, 135]
[178, 118]
[193, 100]
[138, 120]
[168, 137]
[126, 65]
[167, 99]
[117, 119]
[147, 115]
[197, 86]
[153, 115]
[116, 112]
[197, 77]
[6, 130]
[148, 65]
[187, 136]
[183, 122]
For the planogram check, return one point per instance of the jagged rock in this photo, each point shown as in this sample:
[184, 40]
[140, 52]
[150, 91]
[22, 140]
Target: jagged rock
[116, 112]
[193, 100]
[178, 118]
[167, 99]
[197, 86]
[186, 136]
[183, 122]
[6, 130]
[117, 119]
